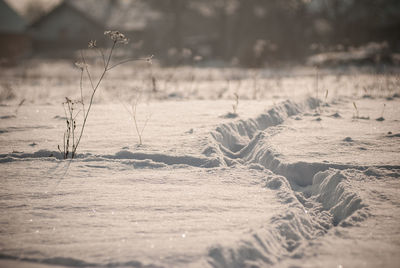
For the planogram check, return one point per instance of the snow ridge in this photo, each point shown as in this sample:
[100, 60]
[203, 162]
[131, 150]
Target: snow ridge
[318, 196]
[71, 262]
[137, 159]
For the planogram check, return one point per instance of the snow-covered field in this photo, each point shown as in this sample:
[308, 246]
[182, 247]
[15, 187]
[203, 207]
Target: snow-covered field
[300, 178]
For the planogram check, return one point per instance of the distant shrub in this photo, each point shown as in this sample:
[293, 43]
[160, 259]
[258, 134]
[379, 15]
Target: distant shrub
[6, 92]
[133, 113]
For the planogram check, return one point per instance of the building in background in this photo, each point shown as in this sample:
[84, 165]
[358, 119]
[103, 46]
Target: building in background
[72, 23]
[14, 41]
[65, 28]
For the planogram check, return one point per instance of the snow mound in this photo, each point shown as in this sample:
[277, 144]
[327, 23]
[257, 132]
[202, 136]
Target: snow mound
[329, 189]
[235, 135]
[318, 196]
[167, 159]
[72, 262]
[330, 200]
[138, 159]
[15, 156]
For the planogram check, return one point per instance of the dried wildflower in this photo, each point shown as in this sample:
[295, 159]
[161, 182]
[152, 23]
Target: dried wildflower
[80, 65]
[92, 44]
[149, 59]
[117, 37]
[71, 102]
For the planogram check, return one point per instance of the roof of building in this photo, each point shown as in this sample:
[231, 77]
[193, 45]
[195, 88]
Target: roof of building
[10, 21]
[122, 15]
[60, 7]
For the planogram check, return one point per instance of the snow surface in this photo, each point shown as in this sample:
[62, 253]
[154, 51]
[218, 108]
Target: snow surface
[292, 181]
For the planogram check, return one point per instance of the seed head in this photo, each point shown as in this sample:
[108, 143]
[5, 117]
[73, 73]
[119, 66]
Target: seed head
[117, 37]
[150, 59]
[92, 44]
[80, 65]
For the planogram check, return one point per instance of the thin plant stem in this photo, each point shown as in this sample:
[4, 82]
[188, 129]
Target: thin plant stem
[92, 97]
[77, 114]
[125, 61]
[87, 71]
[71, 122]
[109, 56]
[134, 107]
[144, 126]
[64, 155]
[67, 133]
[81, 87]
[102, 56]
[132, 112]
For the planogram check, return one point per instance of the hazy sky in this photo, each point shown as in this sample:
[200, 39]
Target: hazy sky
[19, 5]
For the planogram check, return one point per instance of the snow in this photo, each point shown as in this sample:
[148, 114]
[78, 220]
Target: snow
[292, 181]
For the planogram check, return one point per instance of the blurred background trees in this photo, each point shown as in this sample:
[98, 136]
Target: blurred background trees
[253, 32]
[250, 33]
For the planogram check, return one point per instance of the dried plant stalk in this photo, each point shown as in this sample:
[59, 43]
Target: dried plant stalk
[72, 139]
